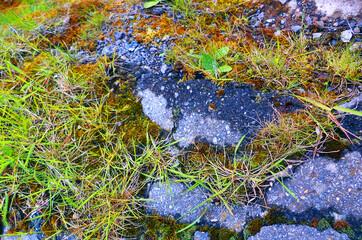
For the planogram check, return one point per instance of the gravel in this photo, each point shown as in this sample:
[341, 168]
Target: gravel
[292, 232]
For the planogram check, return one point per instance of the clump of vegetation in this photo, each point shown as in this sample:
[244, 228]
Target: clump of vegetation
[76, 147]
[253, 227]
[343, 227]
[314, 222]
[275, 216]
[324, 224]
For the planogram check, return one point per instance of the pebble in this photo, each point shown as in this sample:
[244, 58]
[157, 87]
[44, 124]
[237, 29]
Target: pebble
[119, 35]
[157, 11]
[317, 35]
[296, 28]
[320, 24]
[346, 35]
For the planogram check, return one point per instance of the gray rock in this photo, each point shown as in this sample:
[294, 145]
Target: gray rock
[155, 108]
[296, 28]
[320, 24]
[132, 46]
[346, 35]
[353, 103]
[322, 184]
[292, 232]
[339, 8]
[317, 35]
[213, 130]
[109, 50]
[283, 1]
[201, 235]
[119, 35]
[157, 11]
[174, 199]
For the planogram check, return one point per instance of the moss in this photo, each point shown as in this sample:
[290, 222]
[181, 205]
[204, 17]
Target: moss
[188, 234]
[343, 227]
[275, 216]
[149, 235]
[314, 222]
[324, 224]
[334, 147]
[254, 226]
[224, 234]
[247, 233]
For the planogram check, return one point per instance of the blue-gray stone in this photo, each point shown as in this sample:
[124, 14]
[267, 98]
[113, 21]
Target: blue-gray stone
[296, 28]
[201, 235]
[119, 35]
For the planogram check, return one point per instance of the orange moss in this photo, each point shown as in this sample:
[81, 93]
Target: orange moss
[340, 224]
[9, 5]
[314, 222]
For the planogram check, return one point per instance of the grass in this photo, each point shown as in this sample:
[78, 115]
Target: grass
[80, 153]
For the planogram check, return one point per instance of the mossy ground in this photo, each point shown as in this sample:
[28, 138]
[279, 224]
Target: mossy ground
[76, 146]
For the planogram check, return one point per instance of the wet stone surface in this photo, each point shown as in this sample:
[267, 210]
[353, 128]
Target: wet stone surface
[175, 200]
[325, 185]
[292, 232]
[204, 112]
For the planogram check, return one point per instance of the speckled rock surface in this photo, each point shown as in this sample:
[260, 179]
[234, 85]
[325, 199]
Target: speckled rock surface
[202, 111]
[301, 232]
[341, 8]
[174, 200]
[324, 185]
[201, 235]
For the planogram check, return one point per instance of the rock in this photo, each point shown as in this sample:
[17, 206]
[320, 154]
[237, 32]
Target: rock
[213, 130]
[317, 35]
[119, 35]
[163, 68]
[296, 28]
[356, 46]
[321, 184]
[320, 24]
[155, 108]
[339, 8]
[293, 232]
[346, 35]
[109, 50]
[283, 1]
[132, 46]
[201, 235]
[174, 199]
[356, 30]
[157, 11]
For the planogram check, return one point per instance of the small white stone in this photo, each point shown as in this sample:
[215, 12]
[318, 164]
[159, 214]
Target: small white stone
[317, 35]
[346, 36]
[163, 68]
[214, 140]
